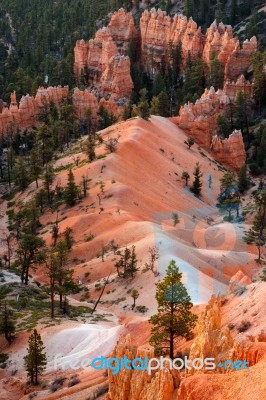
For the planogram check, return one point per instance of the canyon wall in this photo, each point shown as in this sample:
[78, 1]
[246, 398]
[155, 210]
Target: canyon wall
[139, 385]
[212, 340]
[103, 60]
[23, 116]
[230, 151]
[157, 30]
[199, 121]
[104, 65]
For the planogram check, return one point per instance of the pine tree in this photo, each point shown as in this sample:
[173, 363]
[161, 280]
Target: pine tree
[189, 142]
[127, 263]
[35, 165]
[7, 326]
[185, 176]
[223, 126]
[128, 110]
[35, 361]
[155, 105]
[243, 182]
[90, 148]
[234, 10]
[68, 237]
[197, 184]
[132, 264]
[48, 180]
[29, 253]
[189, 8]
[216, 75]
[143, 109]
[257, 233]
[163, 104]
[71, 190]
[21, 174]
[174, 319]
[134, 295]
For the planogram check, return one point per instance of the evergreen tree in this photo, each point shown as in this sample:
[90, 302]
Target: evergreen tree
[259, 60]
[234, 11]
[158, 85]
[189, 142]
[48, 180]
[68, 237]
[216, 74]
[30, 252]
[154, 105]
[134, 295]
[197, 184]
[35, 165]
[128, 110]
[163, 104]
[227, 181]
[174, 319]
[35, 361]
[7, 326]
[185, 176]
[127, 264]
[90, 148]
[21, 174]
[243, 181]
[132, 264]
[257, 233]
[189, 8]
[143, 109]
[71, 190]
[223, 126]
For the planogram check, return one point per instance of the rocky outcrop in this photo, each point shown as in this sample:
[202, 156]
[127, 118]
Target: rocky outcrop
[122, 30]
[158, 30]
[221, 42]
[102, 60]
[84, 101]
[139, 385]
[231, 88]
[211, 340]
[238, 283]
[116, 77]
[240, 60]
[24, 115]
[199, 119]
[230, 151]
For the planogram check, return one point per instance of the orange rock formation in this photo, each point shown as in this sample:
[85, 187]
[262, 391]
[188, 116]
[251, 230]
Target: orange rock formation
[23, 116]
[157, 30]
[212, 340]
[230, 151]
[199, 120]
[102, 59]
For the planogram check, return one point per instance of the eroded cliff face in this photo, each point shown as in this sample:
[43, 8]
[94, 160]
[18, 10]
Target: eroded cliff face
[157, 30]
[102, 60]
[211, 340]
[24, 115]
[199, 121]
[230, 151]
[84, 100]
[139, 385]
